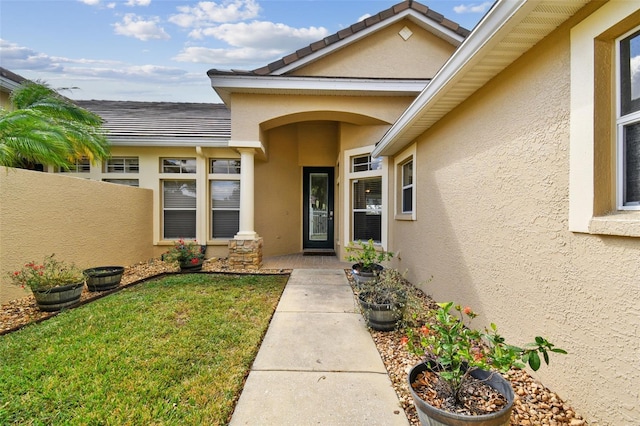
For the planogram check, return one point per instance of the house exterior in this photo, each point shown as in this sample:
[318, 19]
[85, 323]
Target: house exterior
[500, 166]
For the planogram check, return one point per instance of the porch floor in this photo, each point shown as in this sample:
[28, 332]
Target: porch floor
[299, 261]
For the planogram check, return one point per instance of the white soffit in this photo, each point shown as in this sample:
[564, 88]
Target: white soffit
[508, 30]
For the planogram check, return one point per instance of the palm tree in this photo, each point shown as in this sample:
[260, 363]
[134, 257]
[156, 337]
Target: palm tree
[47, 128]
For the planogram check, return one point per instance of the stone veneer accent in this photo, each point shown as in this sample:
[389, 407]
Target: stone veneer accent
[245, 254]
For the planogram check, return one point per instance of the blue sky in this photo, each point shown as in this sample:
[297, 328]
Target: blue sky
[161, 50]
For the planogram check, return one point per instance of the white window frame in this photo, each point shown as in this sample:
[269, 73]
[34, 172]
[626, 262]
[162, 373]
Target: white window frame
[80, 165]
[219, 177]
[621, 122]
[183, 167]
[163, 209]
[403, 158]
[126, 164]
[604, 25]
[350, 176]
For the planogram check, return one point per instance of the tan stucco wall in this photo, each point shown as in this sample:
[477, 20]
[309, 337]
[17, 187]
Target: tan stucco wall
[492, 230]
[81, 221]
[4, 100]
[386, 54]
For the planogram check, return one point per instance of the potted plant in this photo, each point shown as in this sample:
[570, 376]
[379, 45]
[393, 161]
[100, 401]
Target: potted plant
[384, 300]
[367, 260]
[54, 283]
[189, 255]
[461, 364]
[103, 278]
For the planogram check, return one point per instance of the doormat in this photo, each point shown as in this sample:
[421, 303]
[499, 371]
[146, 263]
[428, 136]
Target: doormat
[318, 252]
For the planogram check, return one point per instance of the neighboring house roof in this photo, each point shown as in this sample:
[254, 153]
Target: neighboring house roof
[163, 123]
[9, 81]
[275, 78]
[508, 30]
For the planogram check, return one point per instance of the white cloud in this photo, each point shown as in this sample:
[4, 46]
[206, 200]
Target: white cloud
[230, 58]
[135, 26]
[90, 2]
[138, 2]
[635, 77]
[262, 34]
[208, 13]
[473, 8]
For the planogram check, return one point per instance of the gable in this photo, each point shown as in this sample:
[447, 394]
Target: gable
[401, 50]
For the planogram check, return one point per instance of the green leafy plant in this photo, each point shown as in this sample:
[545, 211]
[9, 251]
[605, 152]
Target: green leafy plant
[366, 255]
[46, 275]
[185, 252]
[458, 349]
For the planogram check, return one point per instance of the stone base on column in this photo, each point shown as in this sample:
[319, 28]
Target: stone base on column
[245, 254]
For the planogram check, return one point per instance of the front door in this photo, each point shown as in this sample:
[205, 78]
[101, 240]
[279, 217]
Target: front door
[317, 208]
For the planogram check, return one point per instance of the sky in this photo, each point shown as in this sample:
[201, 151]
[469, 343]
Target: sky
[161, 50]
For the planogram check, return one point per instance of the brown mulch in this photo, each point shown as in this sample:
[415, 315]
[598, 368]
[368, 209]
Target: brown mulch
[534, 403]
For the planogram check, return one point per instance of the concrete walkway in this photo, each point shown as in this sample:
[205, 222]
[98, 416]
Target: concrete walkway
[318, 364]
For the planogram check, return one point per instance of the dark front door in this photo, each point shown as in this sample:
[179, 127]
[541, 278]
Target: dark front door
[317, 208]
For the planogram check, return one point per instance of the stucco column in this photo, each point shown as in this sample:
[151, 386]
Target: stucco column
[246, 231]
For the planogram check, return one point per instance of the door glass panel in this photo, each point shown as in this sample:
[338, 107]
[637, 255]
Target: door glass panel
[318, 206]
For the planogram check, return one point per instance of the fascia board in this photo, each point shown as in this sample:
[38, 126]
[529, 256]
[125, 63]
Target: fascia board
[273, 84]
[164, 142]
[496, 22]
[421, 20]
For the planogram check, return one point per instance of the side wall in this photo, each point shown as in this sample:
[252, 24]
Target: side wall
[85, 222]
[492, 229]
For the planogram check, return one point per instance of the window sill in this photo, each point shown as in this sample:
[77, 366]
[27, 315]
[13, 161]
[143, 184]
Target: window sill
[219, 242]
[625, 224]
[404, 216]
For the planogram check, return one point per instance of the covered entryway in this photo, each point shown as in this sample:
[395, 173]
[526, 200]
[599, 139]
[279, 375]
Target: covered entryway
[317, 208]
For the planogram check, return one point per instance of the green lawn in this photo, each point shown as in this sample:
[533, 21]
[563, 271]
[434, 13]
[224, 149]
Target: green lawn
[167, 352]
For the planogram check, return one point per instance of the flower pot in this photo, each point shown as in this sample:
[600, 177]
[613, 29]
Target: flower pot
[432, 416]
[363, 277]
[57, 298]
[188, 267]
[381, 316]
[103, 278]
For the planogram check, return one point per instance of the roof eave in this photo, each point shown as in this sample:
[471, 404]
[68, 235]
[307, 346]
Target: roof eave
[492, 30]
[226, 84]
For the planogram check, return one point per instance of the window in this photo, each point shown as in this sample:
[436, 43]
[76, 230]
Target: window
[179, 209]
[225, 208]
[367, 209]
[128, 182]
[407, 187]
[122, 165]
[225, 166]
[604, 122]
[365, 197]
[81, 165]
[363, 163]
[628, 121]
[405, 178]
[224, 191]
[178, 165]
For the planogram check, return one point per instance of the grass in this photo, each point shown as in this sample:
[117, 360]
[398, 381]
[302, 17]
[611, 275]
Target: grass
[167, 352]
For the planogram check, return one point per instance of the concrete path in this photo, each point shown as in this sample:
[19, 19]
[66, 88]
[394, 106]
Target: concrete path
[318, 364]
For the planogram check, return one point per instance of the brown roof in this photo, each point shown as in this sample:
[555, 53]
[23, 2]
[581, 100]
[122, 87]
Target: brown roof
[349, 32]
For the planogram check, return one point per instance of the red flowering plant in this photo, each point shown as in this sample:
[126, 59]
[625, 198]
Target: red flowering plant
[185, 252]
[458, 349]
[47, 275]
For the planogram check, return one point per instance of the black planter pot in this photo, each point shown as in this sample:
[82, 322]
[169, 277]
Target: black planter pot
[363, 277]
[57, 298]
[188, 267]
[103, 278]
[381, 316]
[431, 416]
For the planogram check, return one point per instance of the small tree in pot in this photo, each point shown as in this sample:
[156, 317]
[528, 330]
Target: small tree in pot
[367, 260]
[384, 300]
[459, 360]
